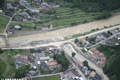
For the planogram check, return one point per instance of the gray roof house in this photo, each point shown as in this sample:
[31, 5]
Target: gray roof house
[9, 6]
[110, 42]
[10, 31]
[18, 63]
[25, 14]
[32, 72]
[18, 18]
[45, 67]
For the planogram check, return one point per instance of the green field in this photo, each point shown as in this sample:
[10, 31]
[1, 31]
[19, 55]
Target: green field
[55, 77]
[66, 16]
[2, 68]
[21, 23]
[3, 23]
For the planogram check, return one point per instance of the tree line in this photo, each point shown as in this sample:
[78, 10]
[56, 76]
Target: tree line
[112, 66]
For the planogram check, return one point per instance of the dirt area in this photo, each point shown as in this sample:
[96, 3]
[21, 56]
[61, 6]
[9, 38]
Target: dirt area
[70, 30]
[2, 41]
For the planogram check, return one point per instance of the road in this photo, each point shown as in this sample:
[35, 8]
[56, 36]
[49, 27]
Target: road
[91, 64]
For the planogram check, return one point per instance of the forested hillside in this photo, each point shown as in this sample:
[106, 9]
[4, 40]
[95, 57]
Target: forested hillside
[96, 5]
[112, 66]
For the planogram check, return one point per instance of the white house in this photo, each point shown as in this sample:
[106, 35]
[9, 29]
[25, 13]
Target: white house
[17, 27]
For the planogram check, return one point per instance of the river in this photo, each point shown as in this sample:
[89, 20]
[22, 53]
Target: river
[68, 31]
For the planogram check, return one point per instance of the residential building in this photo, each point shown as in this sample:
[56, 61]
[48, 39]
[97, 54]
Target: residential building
[69, 74]
[101, 54]
[44, 58]
[10, 31]
[32, 72]
[24, 19]
[93, 49]
[94, 57]
[44, 4]
[17, 27]
[117, 36]
[45, 67]
[45, 28]
[103, 59]
[9, 6]
[18, 63]
[39, 55]
[83, 40]
[105, 34]
[101, 63]
[18, 18]
[51, 59]
[92, 74]
[109, 42]
[31, 59]
[52, 64]
[96, 52]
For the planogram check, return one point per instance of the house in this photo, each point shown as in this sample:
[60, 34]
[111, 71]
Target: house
[36, 1]
[109, 42]
[105, 34]
[93, 49]
[96, 52]
[79, 63]
[44, 4]
[24, 19]
[39, 55]
[94, 57]
[18, 18]
[44, 11]
[102, 63]
[114, 32]
[25, 14]
[10, 31]
[103, 58]
[9, 6]
[51, 59]
[32, 72]
[52, 64]
[28, 78]
[45, 67]
[83, 40]
[85, 70]
[97, 77]
[7, 11]
[92, 74]
[117, 36]
[31, 59]
[44, 58]
[56, 51]
[18, 63]
[17, 27]
[45, 28]
[101, 54]
[69, 74]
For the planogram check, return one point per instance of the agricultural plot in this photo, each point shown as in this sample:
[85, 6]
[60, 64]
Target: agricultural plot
[55, 77]
[3, 22]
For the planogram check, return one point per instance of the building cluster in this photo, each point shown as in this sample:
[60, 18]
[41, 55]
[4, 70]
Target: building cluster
[97, 56]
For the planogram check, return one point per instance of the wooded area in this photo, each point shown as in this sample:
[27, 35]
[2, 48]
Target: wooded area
[96, 5]
[112, 66]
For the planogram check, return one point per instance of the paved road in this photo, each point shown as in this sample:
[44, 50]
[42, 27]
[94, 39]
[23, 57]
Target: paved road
[91, 64]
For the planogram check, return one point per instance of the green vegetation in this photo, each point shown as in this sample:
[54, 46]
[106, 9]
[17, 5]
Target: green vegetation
[76, 40]
[73, 54]
[2, 68]
[61, 59]
[55, 77]
[112, 66]
[22, 71]
[86, 64]
[3, 23]
[95, 6]
[2, 3]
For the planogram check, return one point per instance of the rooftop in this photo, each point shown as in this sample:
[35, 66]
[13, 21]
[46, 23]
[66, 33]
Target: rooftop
[92, 74]
[93, 49]
[94, 57]
[52, 63]
[101, 54]
[83, 40]
[96, 52]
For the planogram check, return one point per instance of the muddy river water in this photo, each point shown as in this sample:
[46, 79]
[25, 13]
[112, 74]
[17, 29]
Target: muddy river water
[67, 31]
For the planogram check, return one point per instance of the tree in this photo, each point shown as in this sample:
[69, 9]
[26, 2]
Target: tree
[73, 54]
[38, 51]
[32, 50]
[2, 3]
[85, 63]
[76, 40]
[1, 51]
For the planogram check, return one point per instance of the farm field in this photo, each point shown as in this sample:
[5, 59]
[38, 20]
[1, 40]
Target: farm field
[55, 77]
[3, 23]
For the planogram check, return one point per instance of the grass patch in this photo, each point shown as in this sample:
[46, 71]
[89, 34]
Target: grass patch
[23, 24]
[2, 68]
[55, 77]
[47, 54]
[3, 23]
[9, 68]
